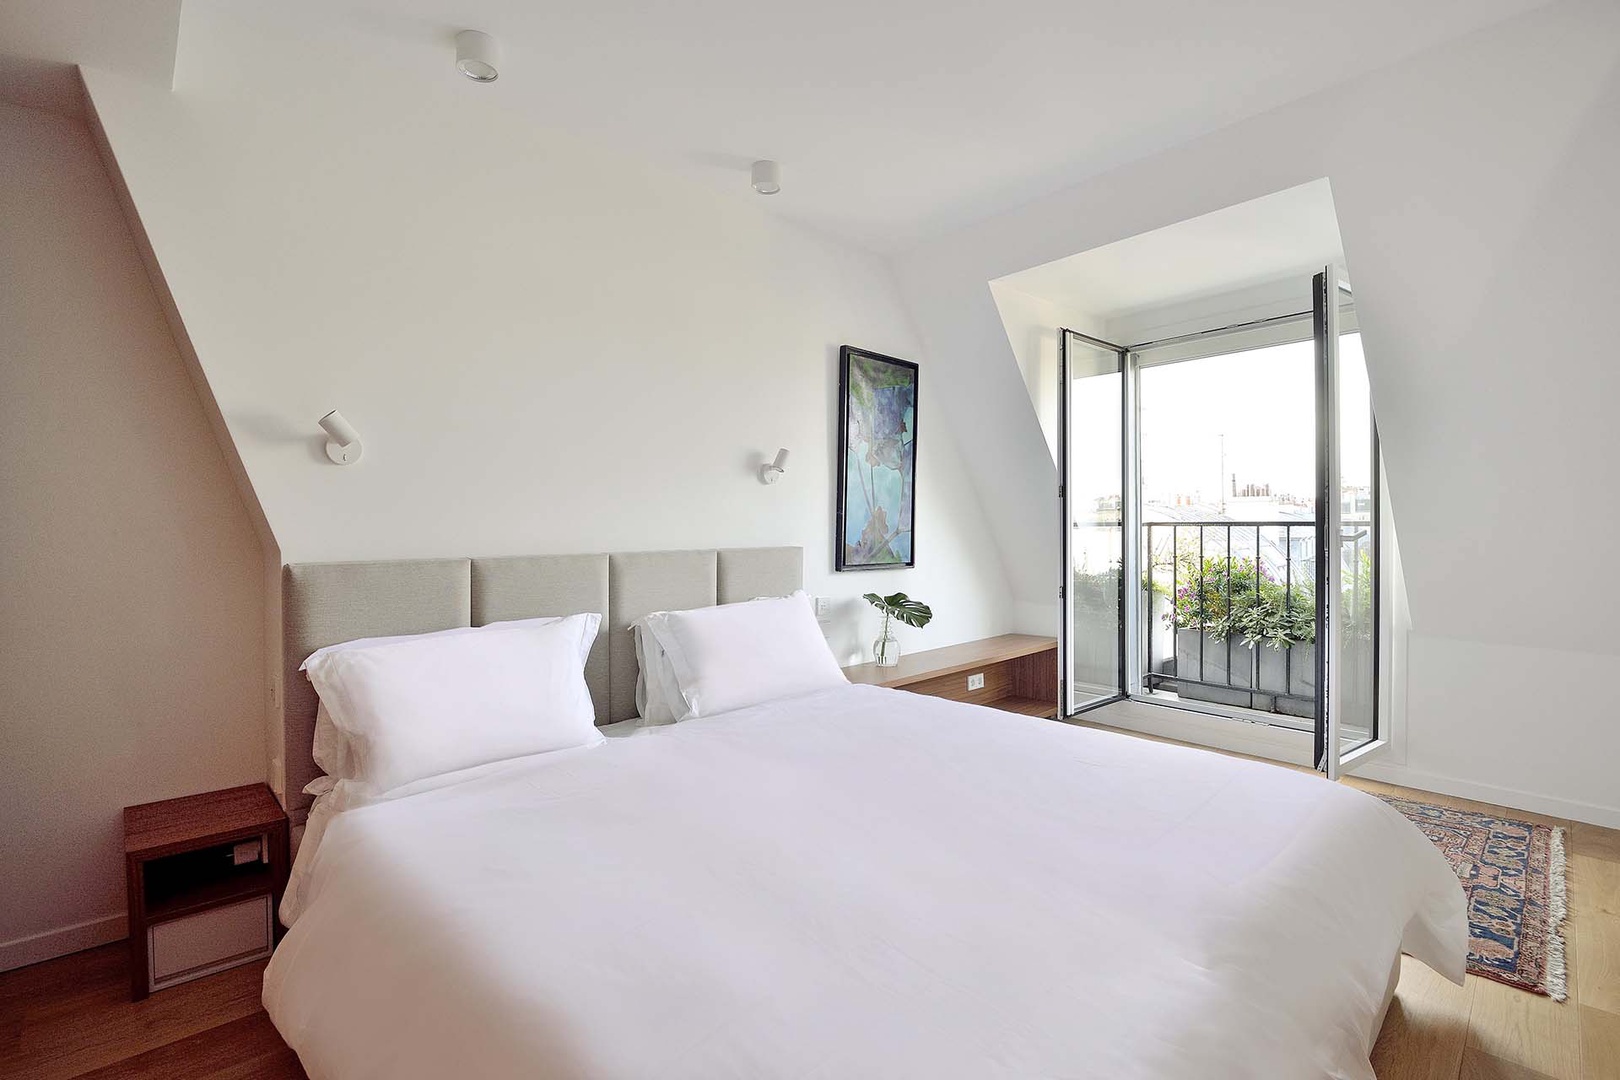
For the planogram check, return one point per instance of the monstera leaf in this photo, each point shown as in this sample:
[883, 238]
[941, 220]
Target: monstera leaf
[902, 607]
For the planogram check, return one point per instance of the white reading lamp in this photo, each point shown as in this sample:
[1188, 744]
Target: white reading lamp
[772, 471]
[342, 441]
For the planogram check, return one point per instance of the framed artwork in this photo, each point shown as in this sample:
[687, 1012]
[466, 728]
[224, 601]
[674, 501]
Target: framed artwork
[877, 461]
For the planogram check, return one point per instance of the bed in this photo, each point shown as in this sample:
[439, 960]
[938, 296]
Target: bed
[847, 883]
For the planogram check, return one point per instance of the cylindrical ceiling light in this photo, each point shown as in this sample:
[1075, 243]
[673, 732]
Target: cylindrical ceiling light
[767, 177]
[477, 56]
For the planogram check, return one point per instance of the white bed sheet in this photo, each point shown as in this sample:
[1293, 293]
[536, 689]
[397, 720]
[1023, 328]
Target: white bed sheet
[862, 882]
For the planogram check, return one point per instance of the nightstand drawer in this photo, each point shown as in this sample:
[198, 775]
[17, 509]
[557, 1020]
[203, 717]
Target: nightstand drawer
[196, 945]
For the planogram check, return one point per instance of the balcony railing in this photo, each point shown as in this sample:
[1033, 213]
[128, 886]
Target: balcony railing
[1229, 611]
[1232, 608]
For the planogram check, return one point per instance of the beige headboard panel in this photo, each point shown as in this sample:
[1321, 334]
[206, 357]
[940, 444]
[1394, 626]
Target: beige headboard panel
[327, 603]
[529, 586]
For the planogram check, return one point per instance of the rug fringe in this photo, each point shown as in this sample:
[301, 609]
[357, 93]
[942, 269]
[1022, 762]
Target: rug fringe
[1557, 972]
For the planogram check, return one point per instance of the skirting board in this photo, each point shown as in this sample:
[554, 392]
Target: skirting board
[1294, 747]
[50, 944]
[1550, 805]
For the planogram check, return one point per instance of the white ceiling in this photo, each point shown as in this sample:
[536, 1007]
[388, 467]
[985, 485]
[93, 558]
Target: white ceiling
[894, 120]
[1285, 235]
[897, 120]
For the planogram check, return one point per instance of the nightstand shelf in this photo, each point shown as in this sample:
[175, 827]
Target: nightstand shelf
[162, 906]
[196, 904]
[1020, 673]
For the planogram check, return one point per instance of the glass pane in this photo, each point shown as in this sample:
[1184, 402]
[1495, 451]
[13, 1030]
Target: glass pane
[1094, 496]
[1358, 551]
[1228, 478]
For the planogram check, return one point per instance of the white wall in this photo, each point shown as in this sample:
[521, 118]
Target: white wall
[1032, 323]
[131, 651]
[545, 346]
[1472, 184]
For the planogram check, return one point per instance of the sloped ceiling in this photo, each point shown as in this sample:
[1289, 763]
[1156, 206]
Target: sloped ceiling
[1472, 198]
[1287, 234]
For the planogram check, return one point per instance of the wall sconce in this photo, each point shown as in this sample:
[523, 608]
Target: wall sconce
[772, 471]
[477, 56]
[342, 441]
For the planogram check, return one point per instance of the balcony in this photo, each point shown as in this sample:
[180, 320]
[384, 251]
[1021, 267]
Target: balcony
[1230, 613]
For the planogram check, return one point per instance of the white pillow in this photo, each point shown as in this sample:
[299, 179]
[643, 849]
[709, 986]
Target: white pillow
[736, 655]
[435, 703]
[331, 749]
[658, 696]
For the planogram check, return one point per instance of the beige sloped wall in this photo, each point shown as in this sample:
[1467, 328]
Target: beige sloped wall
[131, 648]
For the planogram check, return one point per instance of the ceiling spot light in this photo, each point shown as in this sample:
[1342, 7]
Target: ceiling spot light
[477, 56]
[767, 177]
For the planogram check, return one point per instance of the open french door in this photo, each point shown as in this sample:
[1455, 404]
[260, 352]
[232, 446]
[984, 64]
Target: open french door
[1095, 463]
[1347, 532]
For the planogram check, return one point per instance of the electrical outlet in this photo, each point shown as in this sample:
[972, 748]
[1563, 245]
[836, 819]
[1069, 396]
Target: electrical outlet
[976, 682]
[823, 606]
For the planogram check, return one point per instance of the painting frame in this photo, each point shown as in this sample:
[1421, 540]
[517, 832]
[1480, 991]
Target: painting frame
[847, 556]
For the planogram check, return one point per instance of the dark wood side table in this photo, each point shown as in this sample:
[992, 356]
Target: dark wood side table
[1013, 672]
[205, 876]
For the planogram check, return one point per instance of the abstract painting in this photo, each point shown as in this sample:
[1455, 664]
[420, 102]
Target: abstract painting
[877, 461]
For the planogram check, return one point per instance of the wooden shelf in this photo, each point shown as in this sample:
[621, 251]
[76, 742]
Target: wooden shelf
[965, 657]
[259, 880]
[1020, 673]
[1027, 706]
[179, 864]
[162, 828]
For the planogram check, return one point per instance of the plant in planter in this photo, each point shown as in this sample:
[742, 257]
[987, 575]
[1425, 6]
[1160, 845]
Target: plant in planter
[1215, 602]
[897, 606]
[1245, 599]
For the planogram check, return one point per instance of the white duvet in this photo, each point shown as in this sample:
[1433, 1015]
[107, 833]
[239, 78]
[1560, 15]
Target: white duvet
[861, 883]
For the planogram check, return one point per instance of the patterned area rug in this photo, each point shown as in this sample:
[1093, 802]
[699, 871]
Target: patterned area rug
[1513, 874]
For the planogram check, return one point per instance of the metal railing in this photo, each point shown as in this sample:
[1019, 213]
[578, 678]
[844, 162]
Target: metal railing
[1191, 646]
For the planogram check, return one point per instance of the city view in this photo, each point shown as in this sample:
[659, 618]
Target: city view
[1227, 453]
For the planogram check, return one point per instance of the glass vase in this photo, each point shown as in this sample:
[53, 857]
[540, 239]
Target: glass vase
[886, 650]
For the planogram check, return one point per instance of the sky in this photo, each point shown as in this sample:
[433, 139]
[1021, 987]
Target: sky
[1261, 401]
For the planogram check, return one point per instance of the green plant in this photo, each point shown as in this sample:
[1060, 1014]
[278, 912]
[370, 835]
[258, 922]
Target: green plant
[899, 606]
[1239, 597]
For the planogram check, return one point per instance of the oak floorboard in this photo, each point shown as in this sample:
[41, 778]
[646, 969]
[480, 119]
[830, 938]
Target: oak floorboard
[1595, 842]
[1527, 1029]
[1594, 887]
[1600, 1044]
[1481, 1066]
[72, 1016]
[1426, 1029]
[245, 1049]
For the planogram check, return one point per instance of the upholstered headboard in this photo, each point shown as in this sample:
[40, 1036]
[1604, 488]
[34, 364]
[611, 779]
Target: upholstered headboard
[327, 603]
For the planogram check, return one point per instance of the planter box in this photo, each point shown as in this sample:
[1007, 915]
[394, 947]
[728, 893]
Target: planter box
[1284, 683]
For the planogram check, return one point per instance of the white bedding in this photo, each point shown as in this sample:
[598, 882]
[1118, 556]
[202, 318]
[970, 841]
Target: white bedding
[861, 882]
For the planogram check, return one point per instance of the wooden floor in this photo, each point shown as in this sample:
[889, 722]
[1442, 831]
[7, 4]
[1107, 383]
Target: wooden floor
[72, 1017]
[1483, 1030]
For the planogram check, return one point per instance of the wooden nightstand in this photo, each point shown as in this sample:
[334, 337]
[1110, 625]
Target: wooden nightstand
[200, 900]
[1020, 673]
